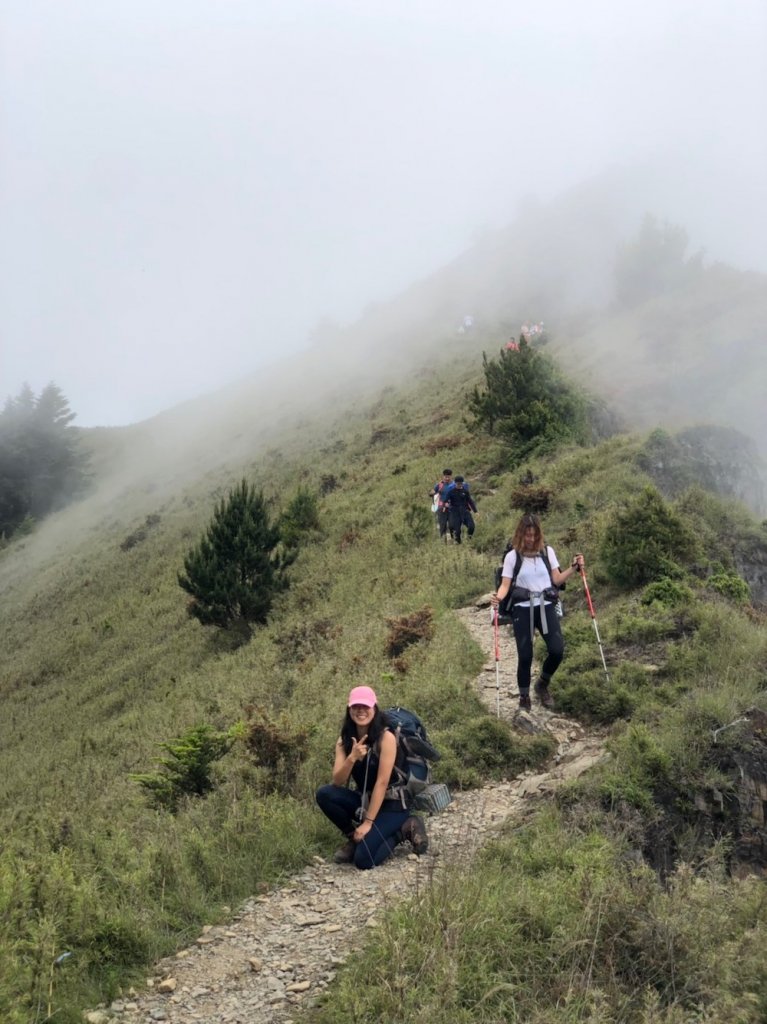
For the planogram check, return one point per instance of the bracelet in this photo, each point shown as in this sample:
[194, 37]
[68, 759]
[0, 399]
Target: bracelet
[371, 820]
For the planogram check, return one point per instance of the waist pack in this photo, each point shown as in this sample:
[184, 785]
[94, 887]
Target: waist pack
[517, 594]
[411, 780]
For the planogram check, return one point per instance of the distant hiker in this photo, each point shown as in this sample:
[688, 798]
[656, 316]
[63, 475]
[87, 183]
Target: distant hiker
[511, 345]
[460, 505]
[365, 753]
[531, 568]
[438, 496]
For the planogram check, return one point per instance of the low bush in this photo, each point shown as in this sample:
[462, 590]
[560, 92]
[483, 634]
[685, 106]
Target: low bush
[408, 630]
[186, 771]
[488, 748]
[646, 541]
[731, 586]
[668, 593]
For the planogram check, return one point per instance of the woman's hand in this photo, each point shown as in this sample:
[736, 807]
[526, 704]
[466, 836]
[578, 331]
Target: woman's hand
[578, 562]
[361, 831]
[494, 599]
[359, 749]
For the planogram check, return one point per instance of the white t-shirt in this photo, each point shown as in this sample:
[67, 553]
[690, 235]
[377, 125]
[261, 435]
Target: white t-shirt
[533, 574]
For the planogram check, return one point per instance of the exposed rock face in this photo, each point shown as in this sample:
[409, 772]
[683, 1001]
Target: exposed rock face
[737, 813]
[719, 459]
[751, 564]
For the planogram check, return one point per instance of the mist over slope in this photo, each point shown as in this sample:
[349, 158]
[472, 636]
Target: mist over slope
[690, 353]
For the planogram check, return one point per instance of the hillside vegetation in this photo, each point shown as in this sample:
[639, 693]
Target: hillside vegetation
[631, 899]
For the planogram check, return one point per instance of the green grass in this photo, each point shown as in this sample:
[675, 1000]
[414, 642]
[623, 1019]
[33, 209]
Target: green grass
[102, 665]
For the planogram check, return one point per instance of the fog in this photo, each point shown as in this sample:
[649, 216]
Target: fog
[188, 190]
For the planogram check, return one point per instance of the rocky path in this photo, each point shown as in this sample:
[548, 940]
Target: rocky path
[282, 949]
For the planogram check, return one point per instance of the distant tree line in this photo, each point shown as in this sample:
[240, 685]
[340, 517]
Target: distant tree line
[41, 464]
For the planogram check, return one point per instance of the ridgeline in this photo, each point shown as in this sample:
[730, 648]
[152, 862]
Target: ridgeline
[635, 896]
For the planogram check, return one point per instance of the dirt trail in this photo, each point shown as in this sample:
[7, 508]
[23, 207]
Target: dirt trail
[282, 949]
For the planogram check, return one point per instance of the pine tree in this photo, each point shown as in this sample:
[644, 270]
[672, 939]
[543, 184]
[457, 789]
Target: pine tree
[41, 465]
[527, 402]
[235, 572]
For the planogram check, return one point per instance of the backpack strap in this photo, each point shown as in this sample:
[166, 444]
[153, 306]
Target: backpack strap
[546, 561]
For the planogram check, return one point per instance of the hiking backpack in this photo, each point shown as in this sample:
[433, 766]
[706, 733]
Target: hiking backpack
[505, 606]
[411, 780]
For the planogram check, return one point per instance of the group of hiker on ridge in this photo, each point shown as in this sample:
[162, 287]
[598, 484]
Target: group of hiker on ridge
[374, 817]
[453, 505]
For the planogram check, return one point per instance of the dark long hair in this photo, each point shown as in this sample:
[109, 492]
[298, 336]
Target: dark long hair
[518, 540]
[375, 729]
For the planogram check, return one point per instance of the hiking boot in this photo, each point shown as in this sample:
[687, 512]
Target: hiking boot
[345, 854]
[414, 831]
[525, 704]
[543, 695]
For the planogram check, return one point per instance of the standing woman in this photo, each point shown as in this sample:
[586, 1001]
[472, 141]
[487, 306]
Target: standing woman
[365, 752]
[534, 598]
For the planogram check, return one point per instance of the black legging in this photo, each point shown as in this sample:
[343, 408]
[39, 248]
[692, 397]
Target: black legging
[555, 644]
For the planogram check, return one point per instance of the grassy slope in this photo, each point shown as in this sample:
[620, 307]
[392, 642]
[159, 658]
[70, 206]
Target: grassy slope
[101, 662]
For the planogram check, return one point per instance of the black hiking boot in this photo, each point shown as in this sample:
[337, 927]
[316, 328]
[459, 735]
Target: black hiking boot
[525, 704]
[414, 832]
[345, 854]
[543, 695]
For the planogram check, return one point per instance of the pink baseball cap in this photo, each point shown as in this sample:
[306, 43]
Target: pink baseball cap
[363, 695]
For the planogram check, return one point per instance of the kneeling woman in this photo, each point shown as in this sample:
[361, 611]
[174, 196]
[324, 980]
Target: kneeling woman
[532, 569]
[365, 752]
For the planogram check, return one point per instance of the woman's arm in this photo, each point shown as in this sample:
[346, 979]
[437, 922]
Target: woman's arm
[388, 753]
[342, 767]
[558, 577]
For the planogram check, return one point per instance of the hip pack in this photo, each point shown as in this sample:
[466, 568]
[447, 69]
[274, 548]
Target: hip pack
[517, 594]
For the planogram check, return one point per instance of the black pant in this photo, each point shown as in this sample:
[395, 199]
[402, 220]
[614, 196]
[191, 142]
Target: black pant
[459, 519]
[555, 644]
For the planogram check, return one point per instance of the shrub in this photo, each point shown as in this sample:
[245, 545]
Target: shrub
[277, 745]
[419, 523]
[646, 541]
[300, 517]
[186, 771]
[408, 630]
[527, 402]
[668, 593]
[731, 586]
[532, 499]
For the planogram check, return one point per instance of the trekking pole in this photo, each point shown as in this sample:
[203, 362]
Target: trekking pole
[582, 571]
[497, 644]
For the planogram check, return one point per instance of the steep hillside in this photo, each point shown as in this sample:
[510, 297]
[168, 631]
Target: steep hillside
[102, 664]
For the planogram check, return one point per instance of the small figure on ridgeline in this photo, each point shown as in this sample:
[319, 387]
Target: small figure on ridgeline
[460, 505]
[438, 501]
[511, 345]
[366, 753]
[530, 580]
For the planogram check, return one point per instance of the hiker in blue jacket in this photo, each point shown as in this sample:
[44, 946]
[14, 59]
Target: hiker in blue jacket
[460, 505]
[366, 752]
[531, 568]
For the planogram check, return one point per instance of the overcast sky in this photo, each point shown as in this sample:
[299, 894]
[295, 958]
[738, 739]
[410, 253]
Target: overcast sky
[187, 188]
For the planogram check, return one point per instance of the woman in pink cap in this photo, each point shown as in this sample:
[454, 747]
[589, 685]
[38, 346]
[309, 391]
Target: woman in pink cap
[365, 752]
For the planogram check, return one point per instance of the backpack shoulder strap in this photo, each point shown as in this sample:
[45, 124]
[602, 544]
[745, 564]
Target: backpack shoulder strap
[517, 567]
[547, 562]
